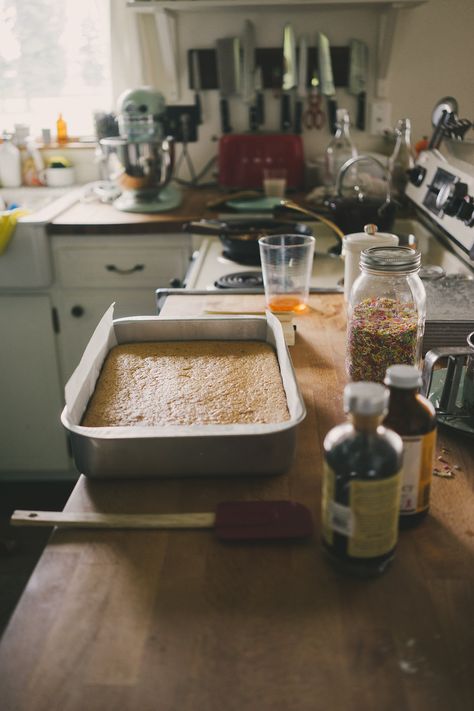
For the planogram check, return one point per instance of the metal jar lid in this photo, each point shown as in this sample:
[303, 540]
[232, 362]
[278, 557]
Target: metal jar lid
[391, 259]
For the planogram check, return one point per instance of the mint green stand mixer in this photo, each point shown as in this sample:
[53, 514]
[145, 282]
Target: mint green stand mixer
[141, 159]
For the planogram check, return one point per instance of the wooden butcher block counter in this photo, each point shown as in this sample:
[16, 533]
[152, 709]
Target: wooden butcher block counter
[178, 621]
[90, 217]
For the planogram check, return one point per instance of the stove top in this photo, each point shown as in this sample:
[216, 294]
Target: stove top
[210, 264]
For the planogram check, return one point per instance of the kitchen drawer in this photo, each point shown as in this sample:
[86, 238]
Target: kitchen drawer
[115, 266]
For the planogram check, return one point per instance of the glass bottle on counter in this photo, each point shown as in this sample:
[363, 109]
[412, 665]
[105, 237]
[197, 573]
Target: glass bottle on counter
[340, 149]
[401, 160]
[385, 313]
[413, 417]
[361, 484]
[61, 130]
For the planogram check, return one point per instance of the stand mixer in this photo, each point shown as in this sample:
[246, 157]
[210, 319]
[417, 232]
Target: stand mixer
[141, 159]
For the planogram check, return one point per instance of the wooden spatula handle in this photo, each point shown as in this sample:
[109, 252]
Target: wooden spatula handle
[65, 519]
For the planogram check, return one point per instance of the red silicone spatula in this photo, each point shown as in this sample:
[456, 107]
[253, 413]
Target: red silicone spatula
[232, 520]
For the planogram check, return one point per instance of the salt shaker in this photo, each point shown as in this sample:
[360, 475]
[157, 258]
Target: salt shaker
[352, 246]
[385, 313]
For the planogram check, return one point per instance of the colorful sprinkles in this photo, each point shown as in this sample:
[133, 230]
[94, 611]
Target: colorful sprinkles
[447, 470]
[381, 332]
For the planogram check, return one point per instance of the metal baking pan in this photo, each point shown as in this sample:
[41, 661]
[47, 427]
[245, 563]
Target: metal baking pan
[179, 450]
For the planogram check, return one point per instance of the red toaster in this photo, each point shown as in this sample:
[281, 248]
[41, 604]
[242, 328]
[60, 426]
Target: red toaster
[242, 158]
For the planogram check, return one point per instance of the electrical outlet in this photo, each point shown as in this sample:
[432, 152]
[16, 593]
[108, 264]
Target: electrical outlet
[181, 122]
[380, 117]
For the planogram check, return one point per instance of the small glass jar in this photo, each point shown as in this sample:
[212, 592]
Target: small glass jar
[386, 313]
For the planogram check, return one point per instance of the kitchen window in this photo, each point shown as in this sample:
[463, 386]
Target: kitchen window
[55, 57]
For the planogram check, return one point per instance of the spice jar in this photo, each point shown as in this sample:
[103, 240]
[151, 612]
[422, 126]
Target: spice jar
[386, 313]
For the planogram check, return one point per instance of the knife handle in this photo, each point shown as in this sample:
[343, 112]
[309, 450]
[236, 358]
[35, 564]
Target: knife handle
[360, 120]
[285, 112]
[253, 117]
[198, 105]
[260, 107]
[224, 111]
[298, 117]
[332, 114]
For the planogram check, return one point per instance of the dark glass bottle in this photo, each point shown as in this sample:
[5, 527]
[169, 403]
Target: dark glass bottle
[361, 484]
[413, 417]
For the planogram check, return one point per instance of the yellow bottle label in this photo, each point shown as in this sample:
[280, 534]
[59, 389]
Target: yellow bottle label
[374, 506]
[370, 521]
[417, 470]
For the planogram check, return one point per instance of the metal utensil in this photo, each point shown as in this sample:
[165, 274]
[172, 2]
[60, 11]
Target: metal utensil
[228, 71]
[248, 73]
[289, 80]
[302, 80]
[358, 78]
[327, 80]
[314, 116]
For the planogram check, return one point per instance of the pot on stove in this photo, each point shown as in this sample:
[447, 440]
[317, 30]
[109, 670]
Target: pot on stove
[240, 238]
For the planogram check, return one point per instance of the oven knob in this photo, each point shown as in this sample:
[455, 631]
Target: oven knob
[450, 197]
[466, 210]
[416, 175]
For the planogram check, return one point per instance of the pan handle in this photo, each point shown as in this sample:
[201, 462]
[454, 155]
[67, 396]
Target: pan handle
[289, 207]
[206, 227]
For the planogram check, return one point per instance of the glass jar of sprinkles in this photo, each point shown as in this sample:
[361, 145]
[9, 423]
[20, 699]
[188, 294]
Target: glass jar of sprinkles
[386, 313]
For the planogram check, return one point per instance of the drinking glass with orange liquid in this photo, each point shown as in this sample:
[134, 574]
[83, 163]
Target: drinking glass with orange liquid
[287, 263]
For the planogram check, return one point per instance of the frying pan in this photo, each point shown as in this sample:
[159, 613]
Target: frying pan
[240, 238]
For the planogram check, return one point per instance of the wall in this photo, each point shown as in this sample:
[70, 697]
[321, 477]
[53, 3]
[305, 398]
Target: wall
[430, 59]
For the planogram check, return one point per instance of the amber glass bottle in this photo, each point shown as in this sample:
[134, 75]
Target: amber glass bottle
[414, 418]
[61, 130]
[361, 485]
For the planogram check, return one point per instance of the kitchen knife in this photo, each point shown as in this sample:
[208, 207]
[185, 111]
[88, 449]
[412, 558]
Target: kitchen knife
[260, 104]
[248, 73]
[289, 76]
[228, 72]
[358, 78]
[302, 79]
[327, 81]
[232, 520]
[197, 85]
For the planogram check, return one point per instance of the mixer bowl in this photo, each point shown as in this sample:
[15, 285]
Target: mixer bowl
[143, 167]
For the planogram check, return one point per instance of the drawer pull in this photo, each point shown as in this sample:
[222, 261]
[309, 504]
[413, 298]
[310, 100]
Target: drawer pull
[77, 311]
[117, 270]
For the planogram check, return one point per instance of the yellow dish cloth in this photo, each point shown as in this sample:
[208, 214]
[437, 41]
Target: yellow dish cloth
[8, 220]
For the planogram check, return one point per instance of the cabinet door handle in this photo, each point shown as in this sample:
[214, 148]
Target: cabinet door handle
[117, 270]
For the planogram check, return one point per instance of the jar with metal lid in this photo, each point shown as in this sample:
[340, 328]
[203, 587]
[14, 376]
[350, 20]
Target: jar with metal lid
[386, 313]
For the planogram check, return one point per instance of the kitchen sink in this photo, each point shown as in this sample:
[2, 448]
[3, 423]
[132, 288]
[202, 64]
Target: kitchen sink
[26, 262]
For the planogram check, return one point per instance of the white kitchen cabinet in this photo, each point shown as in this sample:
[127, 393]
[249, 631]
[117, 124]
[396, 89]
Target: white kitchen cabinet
[91, 272]
[32, 438]
[80, 311]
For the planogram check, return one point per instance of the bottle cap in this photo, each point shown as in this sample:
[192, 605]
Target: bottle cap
[403, 376]
[364, 398]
